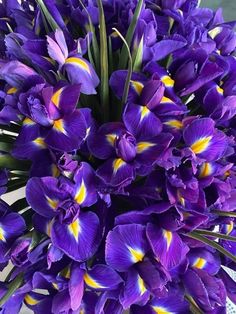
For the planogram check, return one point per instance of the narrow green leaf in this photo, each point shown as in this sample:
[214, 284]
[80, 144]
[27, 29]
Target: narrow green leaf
[129, 36]
[53, 24]
[110, 55]
[94, 38]
[224, 214]
[8, 162]
[104, 62]
[128, 78]
[193, 306]
[215, 235]
[15, 128]
[5, 147]
[13, 286]
[138, 57]
[211, 243]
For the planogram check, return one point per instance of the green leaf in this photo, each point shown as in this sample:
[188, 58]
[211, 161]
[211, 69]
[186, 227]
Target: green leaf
[5, 147]
[128, 78]
[215, 235]
[15, 184]
[8, 162]
[12, 287]
[211, 243]
[193, 306]
[138, 57]
[104, 62]
[94, 38]
[224, 214]
[53, 24]
[129, 36]
[15, 128]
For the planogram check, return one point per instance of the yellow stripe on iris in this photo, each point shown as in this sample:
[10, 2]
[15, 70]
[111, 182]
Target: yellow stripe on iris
[2, 237]
[81, 193]
[205, 170]
[215, 31]
[167, 81]
[219, 90]
[176, 124]
[136, 254]
[117, 164]
[39, 141]
[12, 90]
[168, 237]
[161, 310]
[59, 126]
[75, 229]
[137, 86]
[142, 146]
[52, 202]
[56, 97]
[79, 62]
[201, 145]
[92, 283]
[141, 285]
[199, 263]
[111, 138]
[30, 300]
[144, 112]
[166, 100]
[28, 121]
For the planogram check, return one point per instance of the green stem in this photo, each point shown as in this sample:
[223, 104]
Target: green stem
[215, 235]
[53, 24]
[104, 62]
[13, 286]
[129, 35]
[193, 307]
[211, 243]
[224, 214]
[130, 69]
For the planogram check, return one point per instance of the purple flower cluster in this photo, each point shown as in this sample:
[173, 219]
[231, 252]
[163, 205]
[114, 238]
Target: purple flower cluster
[130, 183]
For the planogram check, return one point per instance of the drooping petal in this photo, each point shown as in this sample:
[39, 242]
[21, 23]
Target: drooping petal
[135, 291]
[167, 246]
[67, 133]
[141, 122]
[85, 189]
[44, 196]
[102, 277]
[203, 259]
[126, 245]
[76, 286]
[79, 240]
[80, 71]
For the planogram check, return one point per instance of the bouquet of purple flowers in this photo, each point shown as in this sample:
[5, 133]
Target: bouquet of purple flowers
[119, 119]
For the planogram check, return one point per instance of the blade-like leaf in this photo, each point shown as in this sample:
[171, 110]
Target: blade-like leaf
[13, 286]
[215, 235]
[138, 57]
[211, 243]
[224, 214]
[104, 62]
[129, 36]
[193, 306]
[53, 24]
[8, 162]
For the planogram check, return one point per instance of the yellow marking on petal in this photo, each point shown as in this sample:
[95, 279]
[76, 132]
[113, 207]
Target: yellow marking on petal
[144, 112]
[227, 173]
[52, 203]
[65, 273]
[75, 229]
[219, 90]
[2, 237]
[137, 86]
[91, 282]
[199, 263]
[114, 34]
[229, 227]
[59, 126]
[201, 145]
[55, 285]
[174, 124]
[82, 311]
[117, 164]
[205, 170]
[49, 60]
[161, 310]
[168, 237]
[136, 254]
[55, 171]
[49, 228]
[56, 97]
[141, 285]
[30, 300]
[142, 146]
[28, 121]
[167, 81]
[81, 193]
[87, 132]
[166, 100]
[12, 90]
[111, 138]
[79, 62]
[40, 142]
[214, 32]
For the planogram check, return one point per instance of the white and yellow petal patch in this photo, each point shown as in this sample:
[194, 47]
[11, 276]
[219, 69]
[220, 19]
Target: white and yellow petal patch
[215, 31]
[229, 227]
[137, 86]
[143, 146]
[206, 170]
[78, 62]
[161, 310]
[75, 229]
[136, 255]
[166, 100]
[168, 237]
[201, 145]
[28, 122]
[56, 97]
[39, 141]
[199, 263]
[219, 90]
[2, 235]
[30, 300]
[12, 90]
[92, 283]
[175, 124]
[117, 164]
[167, 81]
[59, 126]
[81, 193]
[52, 202]
[111, 138]
[141, 285]
[144, 112]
